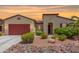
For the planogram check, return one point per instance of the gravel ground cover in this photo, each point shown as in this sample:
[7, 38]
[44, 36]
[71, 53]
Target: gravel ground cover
[43, 46]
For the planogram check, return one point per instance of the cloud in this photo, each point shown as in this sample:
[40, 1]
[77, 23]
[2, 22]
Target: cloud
[36, 11]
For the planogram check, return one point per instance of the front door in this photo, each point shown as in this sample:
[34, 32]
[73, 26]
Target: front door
[50, 28]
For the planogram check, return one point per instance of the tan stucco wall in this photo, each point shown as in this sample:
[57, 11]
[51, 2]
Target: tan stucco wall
[23, 20]
[55, 20]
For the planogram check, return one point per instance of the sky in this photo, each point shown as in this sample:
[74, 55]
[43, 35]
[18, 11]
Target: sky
[36, 11]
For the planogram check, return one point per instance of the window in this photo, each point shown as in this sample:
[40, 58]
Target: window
[0, 28]
[61, 25]
[67, 25]
[18, 18]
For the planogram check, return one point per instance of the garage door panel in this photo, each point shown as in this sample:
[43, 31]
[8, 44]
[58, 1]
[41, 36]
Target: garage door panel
[18, 29]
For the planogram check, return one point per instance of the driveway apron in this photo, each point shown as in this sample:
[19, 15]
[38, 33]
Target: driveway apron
[7, 41]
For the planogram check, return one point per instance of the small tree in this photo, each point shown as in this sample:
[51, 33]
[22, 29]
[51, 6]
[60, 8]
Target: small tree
[75, 24]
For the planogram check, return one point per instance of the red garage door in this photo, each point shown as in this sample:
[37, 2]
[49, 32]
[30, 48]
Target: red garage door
[18, 29]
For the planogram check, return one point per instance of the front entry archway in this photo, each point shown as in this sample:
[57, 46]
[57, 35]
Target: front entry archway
[50, 28]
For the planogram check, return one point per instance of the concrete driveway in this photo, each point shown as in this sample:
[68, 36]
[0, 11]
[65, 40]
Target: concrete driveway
[8, 40]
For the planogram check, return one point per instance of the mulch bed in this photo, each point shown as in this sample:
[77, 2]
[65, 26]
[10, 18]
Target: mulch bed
[42, 46]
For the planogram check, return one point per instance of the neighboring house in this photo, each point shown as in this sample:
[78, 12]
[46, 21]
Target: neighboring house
[19, 24]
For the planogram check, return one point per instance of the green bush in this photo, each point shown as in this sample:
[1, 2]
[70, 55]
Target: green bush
[28, 37]
[54, 36]
[68, 31]
[74, 31]
[39, 32]
[78, 31]
[71, 31]
[59, 30]
[61, 37]
[43, 36]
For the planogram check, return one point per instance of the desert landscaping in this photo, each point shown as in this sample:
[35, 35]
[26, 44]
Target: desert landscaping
[64, 40]
[45, 46]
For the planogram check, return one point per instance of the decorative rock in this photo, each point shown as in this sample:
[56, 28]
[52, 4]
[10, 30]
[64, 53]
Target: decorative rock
[51, 41]
[70, 46]
[76, 37]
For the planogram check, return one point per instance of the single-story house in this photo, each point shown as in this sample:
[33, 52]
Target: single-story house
[52, 21]
[19, 24]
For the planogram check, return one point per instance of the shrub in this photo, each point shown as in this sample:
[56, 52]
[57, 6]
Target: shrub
[59, 30]
[28, 37]
[68, 31]
[74, 31]
[61, 37]
[54, 36]
[78, 31]
[43, 36]
[71, 31]
[39, 32]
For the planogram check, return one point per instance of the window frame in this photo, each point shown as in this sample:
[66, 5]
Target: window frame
[0, 28]
[61, 25]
